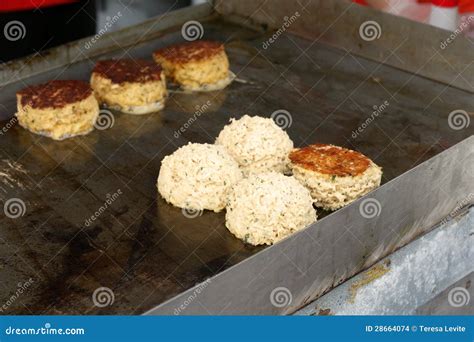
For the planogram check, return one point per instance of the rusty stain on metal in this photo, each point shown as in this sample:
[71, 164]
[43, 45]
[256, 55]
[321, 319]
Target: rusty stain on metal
[321, 312]
[369, 276]
[324, 312]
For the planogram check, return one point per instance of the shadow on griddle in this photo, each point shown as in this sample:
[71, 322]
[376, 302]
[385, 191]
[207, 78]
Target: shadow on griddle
[204, 235]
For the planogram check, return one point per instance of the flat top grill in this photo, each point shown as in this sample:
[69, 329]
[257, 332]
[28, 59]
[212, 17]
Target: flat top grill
[147, 251]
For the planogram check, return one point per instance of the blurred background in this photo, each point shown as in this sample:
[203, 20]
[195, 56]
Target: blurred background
[56, 22]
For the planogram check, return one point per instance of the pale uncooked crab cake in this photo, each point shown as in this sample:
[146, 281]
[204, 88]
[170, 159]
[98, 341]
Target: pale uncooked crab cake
[132, 86]
[197, 177]
[258, 144]
[196, 66]
[267, 207]
[335, 176]
[58, 109]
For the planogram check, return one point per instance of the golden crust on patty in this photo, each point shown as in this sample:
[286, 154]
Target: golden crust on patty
[132, 86]
[54, 94]
[58, 109]
[334, 175]
[197, 65]
[330, 160]
[190, 51]
[128, 70]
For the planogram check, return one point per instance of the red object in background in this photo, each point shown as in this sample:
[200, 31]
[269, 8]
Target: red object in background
[466, 6]
[445, 3]
[23, 5]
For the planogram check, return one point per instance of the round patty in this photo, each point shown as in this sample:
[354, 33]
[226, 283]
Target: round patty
[197, 177]
[196, 66]
[58, 109]
[257, 144]
[336, 176]
[267, 207]
[133, 86]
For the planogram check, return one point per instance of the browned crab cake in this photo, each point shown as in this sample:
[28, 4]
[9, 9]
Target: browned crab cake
[335, 176]
[58, 109]
[133, 86]
[197, 66]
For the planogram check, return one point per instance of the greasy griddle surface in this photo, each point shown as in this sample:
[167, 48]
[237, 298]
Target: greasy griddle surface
[145, 250]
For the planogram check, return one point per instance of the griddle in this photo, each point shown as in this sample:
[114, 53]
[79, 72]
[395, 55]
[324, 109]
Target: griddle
[151, 256]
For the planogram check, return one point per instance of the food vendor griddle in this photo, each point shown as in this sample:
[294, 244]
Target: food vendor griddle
[92, 214]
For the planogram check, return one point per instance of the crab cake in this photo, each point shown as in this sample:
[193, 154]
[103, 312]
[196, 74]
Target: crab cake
[197, 66]
[336, 176]
[197, 177]
[58, 109]
[257, 144]
[133, 86]
[267, 207]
